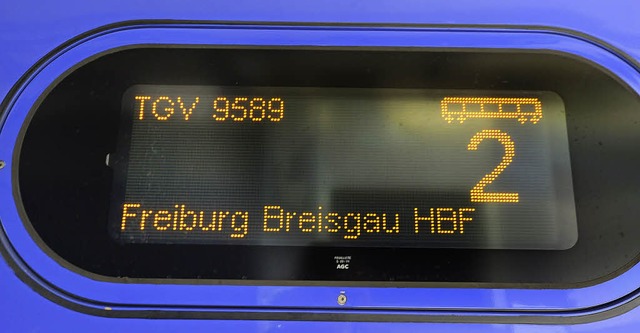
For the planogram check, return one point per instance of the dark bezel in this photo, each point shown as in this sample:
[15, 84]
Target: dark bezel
[65, 185]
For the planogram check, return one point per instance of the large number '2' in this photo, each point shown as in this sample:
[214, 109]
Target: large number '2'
[477, 192]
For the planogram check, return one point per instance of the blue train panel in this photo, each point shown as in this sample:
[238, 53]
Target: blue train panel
[351, 167]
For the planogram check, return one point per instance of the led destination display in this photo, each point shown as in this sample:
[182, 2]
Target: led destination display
[286, 166]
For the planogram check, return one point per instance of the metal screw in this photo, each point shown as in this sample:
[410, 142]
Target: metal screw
[2, 164]
[342, 299]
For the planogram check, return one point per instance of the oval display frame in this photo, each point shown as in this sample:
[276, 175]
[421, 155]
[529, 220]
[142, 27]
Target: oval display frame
[92, 291]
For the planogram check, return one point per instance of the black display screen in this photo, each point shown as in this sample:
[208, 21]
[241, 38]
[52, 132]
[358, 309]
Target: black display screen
[360, 131]
[343, 167]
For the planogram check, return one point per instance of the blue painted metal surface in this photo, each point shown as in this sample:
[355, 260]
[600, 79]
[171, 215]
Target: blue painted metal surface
[28, 31]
